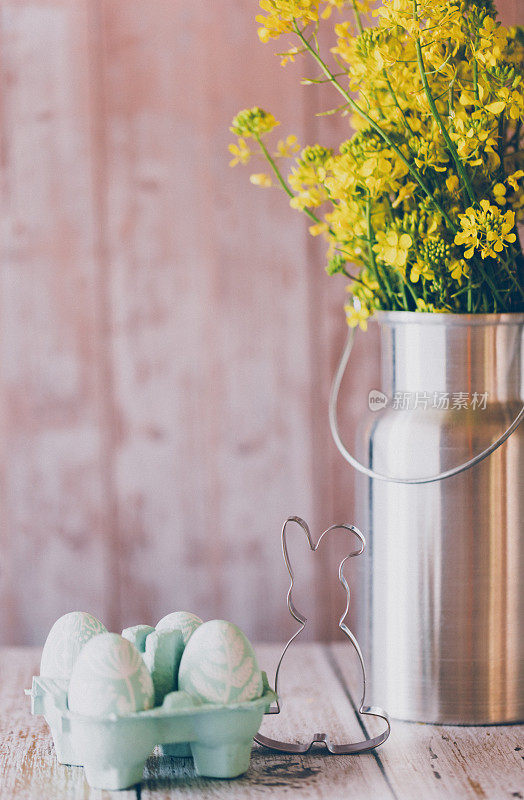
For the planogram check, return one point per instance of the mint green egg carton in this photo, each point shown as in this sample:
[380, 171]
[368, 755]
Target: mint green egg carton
[113, 749]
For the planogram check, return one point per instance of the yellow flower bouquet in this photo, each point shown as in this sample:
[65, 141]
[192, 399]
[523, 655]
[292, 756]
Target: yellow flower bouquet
[420, 204]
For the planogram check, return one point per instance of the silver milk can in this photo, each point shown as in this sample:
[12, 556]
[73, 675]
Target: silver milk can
[441, 502]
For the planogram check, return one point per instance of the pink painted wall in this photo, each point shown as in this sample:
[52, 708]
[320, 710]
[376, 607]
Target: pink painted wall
[167, 332]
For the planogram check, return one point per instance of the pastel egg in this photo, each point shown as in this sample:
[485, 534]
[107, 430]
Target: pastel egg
[183, 621]
[137, 635]
[163, 651]
[65, 640]
[219, 665]
[110, 678]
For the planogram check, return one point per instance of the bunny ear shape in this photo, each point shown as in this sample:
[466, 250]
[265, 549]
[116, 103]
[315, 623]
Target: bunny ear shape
[372, 711]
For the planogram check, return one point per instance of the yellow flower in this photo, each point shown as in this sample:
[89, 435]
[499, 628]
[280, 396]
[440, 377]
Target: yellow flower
[469, 235]
[466, 99]
[421, 268]
[366, 291]
[280, 15]
[330, 5]
[307, 177]
[253, 122]
[240, 151]
[474, 136]
[514, 179]
[357, 315]
[452, 184]
[391, 197]
[510, 101]
[288, 56]
[489, 49]
[499, 192]
[486, 229]
[431, 153]
[318, 228]
[393, 247]
[424, 306]
[314, 155]
[405, 193]
[458, 267]
[307, 198]
[287, 147]
[349, 227]
[261, 179]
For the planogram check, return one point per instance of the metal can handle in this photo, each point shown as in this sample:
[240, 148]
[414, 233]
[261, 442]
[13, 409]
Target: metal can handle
[333, 422]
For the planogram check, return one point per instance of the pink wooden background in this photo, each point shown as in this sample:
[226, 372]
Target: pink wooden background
[168, 333]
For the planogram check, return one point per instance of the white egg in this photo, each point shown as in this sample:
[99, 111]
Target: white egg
[183, 621]
[110, 678]
[65, 641]
[219, 665]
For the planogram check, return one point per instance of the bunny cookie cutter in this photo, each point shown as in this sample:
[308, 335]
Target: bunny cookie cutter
[364, 710]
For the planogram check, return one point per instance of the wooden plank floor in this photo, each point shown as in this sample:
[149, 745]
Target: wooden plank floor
[320, 688]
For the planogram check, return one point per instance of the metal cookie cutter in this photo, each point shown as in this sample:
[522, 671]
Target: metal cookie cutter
[373, 711]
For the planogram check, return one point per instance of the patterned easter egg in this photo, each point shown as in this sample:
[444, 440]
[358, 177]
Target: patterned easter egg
[219, 665]
[137, 635]
[110, 677]
[65, 641]
[182, 621]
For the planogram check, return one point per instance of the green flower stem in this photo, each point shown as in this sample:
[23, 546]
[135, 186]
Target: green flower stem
[395, 100]
[489, 280]
[519, 257]
[501, 147]
[282, 182]
[327, 72]
[519, 266]
[357, 16]
[514, 280]
[409, 286]
[515, 139]
[475, 79]
[383, 280]
[289, 193]
[404, 296]
[277, 172]
[405, 281]
[352, 277]
[371, 252]
[450, 145]
[347, 274]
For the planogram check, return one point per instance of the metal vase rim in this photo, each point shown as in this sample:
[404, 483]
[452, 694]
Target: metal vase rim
[443, 318]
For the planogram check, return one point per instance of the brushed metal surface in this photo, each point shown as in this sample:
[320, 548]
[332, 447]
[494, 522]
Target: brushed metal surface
[442, 605]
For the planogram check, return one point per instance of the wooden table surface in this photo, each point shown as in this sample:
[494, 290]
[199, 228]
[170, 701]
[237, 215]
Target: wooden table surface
[320, 689]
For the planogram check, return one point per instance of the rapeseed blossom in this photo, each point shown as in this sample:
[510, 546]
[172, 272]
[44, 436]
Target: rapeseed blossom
[420, 206]
[486, 229]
